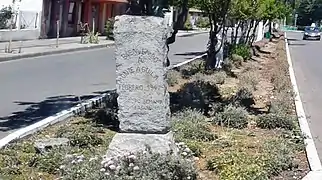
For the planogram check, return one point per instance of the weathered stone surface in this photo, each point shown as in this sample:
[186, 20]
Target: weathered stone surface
[140, 53]
[124, 143]
[43, 144]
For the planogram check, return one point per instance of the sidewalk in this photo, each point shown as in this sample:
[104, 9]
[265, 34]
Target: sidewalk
[34, 48]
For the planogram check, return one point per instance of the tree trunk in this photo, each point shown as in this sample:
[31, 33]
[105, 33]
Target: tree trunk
[253, 36]
[250, 26]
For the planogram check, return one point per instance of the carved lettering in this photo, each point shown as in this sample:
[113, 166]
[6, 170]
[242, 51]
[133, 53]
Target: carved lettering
[143, 55]
[140, 70]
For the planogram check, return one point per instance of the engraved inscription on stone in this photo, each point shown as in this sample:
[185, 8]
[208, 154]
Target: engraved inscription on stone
[142, 55]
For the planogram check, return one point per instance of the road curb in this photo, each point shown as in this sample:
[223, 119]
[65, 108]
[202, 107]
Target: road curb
[311, 152]
[64, 115]
[56, 51]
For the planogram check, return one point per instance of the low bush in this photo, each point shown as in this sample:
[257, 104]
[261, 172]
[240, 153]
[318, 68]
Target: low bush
[196, 95]
[276, 120]
[241, 50]
[249, 80]
[188, 25]
[231, 116]
[203, 22]
[109, 27]
[191, 125]
[173, 77]
[275, 157]
[282, 102]
[217, 77]
[133, 166]
[243, 97]
[237, 60]
[197, 66]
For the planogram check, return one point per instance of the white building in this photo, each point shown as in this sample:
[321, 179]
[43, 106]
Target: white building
[27, 20]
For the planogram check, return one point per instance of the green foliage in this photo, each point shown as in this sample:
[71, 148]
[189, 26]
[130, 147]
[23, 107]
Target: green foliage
[109, 27]
[91, 38]
[5, 16]
[242, 50]
[244, 97]
[197, 66]
[217, 77]
[187, 24]
[191, 125]
[276, 156]
[82, 136]
[203, 22]
[231, 116]
[276, 120]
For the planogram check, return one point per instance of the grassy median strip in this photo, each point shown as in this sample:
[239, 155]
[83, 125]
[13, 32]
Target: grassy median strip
[235, 124]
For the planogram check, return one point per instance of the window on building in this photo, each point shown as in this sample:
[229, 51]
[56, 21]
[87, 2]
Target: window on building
[71, 13]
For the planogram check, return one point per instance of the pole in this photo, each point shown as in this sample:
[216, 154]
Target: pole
[57, 37]
[295, 19]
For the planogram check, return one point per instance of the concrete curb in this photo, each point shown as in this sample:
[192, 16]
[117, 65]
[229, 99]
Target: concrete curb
[312, 154]
[56, 51]
[63, 115]
[58, 117]
[60, 51]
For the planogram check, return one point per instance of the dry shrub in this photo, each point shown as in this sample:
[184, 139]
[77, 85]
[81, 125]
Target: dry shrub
[173, 77]
[218, 77]
[248, 80]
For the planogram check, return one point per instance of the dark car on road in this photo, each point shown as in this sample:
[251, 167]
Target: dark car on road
[312, 33]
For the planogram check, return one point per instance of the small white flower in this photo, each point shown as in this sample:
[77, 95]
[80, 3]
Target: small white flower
[62, 167]
[136, 168]
[188, 177]
[79, 160]
[68, 156]
[112, 167]
[110, 162]
[187, 150]
[131, 164]
[107, 174]
[184, 154]
[118, 167]
[102, 170]
[81, 157]
[73, 161]
[132, 156]
[145, 152]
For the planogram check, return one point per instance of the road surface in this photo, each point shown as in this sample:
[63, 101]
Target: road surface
[307, 64]
[32, 89]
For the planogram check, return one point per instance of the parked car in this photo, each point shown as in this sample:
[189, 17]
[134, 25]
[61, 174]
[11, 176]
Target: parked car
[312, 33]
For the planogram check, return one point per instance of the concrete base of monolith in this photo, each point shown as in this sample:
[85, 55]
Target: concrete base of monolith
[124, 143]
[143, 98]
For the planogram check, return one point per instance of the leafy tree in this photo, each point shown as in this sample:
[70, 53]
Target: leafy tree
[6, 14]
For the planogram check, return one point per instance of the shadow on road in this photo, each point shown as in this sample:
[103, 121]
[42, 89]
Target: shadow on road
[198, 53]
[37, 111]
[295, 42]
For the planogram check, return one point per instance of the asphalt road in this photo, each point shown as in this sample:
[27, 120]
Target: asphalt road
[307, 62]
[34, 88]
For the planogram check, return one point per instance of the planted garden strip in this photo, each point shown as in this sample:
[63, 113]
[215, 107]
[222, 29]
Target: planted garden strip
[227, 128]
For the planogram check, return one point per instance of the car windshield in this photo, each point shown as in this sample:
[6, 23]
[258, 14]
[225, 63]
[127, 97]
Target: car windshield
[312, 29]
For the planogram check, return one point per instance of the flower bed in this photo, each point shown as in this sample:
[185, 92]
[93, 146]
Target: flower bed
[234, 124]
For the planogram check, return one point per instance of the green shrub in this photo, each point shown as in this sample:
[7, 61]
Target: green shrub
[109, 27]
[241, 50]
[276, 120]
[191, 125]
[237, 60]
[244, 97]
[203, 22]
[187, 25]
[282, 102]
[82, 136]
[231, 116]
[91, 38]
[275, 157]
[173, 77]
[197, 66]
